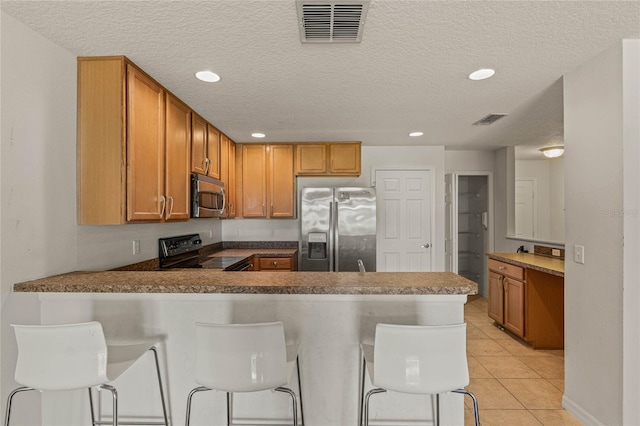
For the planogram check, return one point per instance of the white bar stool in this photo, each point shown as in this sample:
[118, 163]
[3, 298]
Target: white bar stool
[245, 358]
[76, 356]
[417, 360]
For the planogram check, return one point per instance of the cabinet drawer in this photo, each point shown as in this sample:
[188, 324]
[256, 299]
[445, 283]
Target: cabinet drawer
[507, 269]
[275, 263]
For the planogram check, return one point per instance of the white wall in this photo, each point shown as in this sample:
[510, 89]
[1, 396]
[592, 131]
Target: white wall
[469, 161]
[40, 235]
[539, 171]
[601, 114]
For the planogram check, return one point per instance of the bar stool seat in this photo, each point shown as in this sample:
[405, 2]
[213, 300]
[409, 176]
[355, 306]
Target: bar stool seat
[428, 360]
[235, 358]
[77, 356]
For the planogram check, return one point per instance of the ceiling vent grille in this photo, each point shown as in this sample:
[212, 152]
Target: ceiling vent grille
[331, 22]
[489, 119]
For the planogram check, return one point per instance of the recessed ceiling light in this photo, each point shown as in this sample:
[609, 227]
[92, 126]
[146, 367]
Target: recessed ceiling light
[414, 134]
[258, 135]
[481, 74]
[208, 76]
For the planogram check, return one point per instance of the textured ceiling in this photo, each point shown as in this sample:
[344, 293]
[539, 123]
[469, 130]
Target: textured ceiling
[408, 73]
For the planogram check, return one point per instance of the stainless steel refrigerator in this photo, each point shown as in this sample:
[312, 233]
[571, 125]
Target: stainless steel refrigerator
[338, 229]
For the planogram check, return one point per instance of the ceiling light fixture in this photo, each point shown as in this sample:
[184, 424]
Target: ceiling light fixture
[552, 151]
[258, 135]
[482, 74]
[207, 76]
[414, 134]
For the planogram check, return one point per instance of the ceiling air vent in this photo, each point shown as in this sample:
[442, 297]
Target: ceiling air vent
[331, 22]
[489, 119]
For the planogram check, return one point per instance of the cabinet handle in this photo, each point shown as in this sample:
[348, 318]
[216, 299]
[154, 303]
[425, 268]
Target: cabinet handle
[275, 263]
[501, 268]
[206, 166]
[164, 204]
[170, 208]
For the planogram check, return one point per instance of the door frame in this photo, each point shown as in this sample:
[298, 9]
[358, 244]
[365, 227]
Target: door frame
[435, 244]
[489, 175]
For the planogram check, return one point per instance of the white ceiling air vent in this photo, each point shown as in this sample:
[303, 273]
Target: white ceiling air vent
[489, 119]
[331, 21]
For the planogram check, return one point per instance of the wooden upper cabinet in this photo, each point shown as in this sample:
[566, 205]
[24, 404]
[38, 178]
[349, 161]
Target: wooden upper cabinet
[228, 173]
[344, 159]
[213, 151]
[268, 183]
[254, 180]
[145, 153]
[281, 181]
[328, 159]
[177, 159]
[133, 145]
[198, 144]
[311, 159]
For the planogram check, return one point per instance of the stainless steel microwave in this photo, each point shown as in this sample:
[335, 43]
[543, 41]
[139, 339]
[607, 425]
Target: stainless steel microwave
[207, 197]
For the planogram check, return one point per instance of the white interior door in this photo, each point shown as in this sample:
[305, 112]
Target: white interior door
[404, 220]
[525, 208]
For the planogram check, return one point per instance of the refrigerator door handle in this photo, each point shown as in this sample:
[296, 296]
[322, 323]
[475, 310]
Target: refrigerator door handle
[331, 237]
[334, 233]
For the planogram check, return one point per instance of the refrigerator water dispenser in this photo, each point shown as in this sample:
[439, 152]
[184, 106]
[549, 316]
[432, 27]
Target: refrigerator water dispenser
[317, 245]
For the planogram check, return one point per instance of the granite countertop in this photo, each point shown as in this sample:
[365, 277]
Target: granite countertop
[212, 281]
[533, 261]
[248, 252]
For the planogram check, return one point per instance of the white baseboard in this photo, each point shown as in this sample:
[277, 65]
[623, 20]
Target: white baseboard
[579, 413]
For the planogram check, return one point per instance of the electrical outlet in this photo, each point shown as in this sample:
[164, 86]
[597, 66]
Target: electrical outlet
[136, 247]
[578, 254]
[555, 252]
[211, 233]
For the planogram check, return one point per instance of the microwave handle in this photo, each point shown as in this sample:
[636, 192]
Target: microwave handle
[224, 201]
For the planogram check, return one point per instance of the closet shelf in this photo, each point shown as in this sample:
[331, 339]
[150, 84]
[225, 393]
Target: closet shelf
[469, 234]
[468, 253]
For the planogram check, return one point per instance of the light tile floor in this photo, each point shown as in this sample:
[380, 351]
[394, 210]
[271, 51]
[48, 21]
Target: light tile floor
[514, 384]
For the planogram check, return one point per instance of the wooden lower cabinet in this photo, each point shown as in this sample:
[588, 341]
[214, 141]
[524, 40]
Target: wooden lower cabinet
[507, 296]
[274, 264]
[527, 302]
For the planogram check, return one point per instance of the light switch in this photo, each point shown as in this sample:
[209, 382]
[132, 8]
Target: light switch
[136, 246]
[578, 254]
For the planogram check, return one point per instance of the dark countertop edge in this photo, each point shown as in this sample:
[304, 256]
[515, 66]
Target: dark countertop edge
[526, 265]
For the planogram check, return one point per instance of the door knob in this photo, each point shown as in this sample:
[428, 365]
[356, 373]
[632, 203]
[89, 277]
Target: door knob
[427, 245]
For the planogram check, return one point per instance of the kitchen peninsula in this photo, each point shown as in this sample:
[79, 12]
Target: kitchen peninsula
[327, 313]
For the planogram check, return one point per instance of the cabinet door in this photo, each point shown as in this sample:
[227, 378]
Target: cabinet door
[231, 190]
[177, 161]
[228, 172]
[311, 159]
[198, 144]
[254, 182]
[344, 159]
[496, 297]
[514, 306]
[281, 181]
[145, 147]
[213, 151]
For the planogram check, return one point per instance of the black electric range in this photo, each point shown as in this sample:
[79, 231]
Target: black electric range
[183, 251]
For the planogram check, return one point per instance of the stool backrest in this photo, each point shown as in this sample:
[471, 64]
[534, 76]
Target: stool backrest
[420, 359]
[61, 357]
[241, 357]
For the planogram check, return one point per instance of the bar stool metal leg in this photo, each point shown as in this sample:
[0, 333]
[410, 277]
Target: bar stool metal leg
[476, 415]
[294, 402]
[164, 404]
[114, 394]
[366, 403]
[229, 408]
[364, 372]
[10, 400]
[193, 392]
[300, 391]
